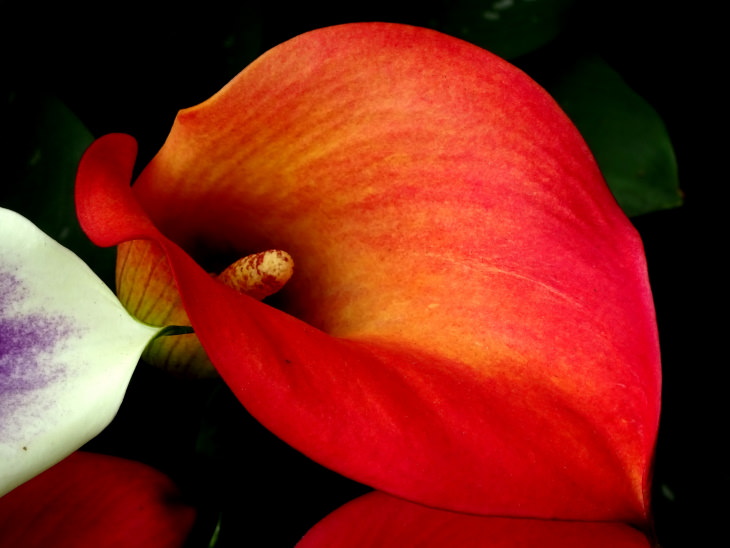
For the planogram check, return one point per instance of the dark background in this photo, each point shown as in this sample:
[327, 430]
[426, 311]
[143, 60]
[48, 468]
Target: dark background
[131, 67]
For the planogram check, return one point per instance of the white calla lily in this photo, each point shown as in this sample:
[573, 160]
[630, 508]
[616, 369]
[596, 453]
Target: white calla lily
[67, 351]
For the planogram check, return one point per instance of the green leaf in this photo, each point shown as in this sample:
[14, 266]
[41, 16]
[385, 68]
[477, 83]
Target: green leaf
[45, 141]
[625, 134]
[508, 28]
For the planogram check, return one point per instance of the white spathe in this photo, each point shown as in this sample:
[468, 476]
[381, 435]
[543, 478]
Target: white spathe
[68, 349]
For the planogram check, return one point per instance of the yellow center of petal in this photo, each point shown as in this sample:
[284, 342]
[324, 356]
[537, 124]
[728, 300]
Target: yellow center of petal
[146, 287]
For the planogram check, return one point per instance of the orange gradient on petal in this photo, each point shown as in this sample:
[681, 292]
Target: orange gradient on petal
[470, 324]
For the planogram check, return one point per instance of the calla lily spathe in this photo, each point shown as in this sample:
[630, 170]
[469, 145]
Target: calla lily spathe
[67, 351]
[469, 324]
[377, 520]
[90, 499]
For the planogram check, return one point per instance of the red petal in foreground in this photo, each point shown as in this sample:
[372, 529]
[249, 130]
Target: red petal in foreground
[377, 520]
[469, 324]
[95, 500]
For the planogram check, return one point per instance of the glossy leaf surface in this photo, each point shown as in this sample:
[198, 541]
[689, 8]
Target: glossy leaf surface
[509, 28]
[625, 133]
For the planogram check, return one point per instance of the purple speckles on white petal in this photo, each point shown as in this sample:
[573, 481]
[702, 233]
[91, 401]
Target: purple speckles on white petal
[29, 346]
[67, 351]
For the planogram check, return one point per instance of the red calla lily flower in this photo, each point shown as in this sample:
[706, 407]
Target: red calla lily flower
[469, 324]
[377, 520]
[89, 499]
